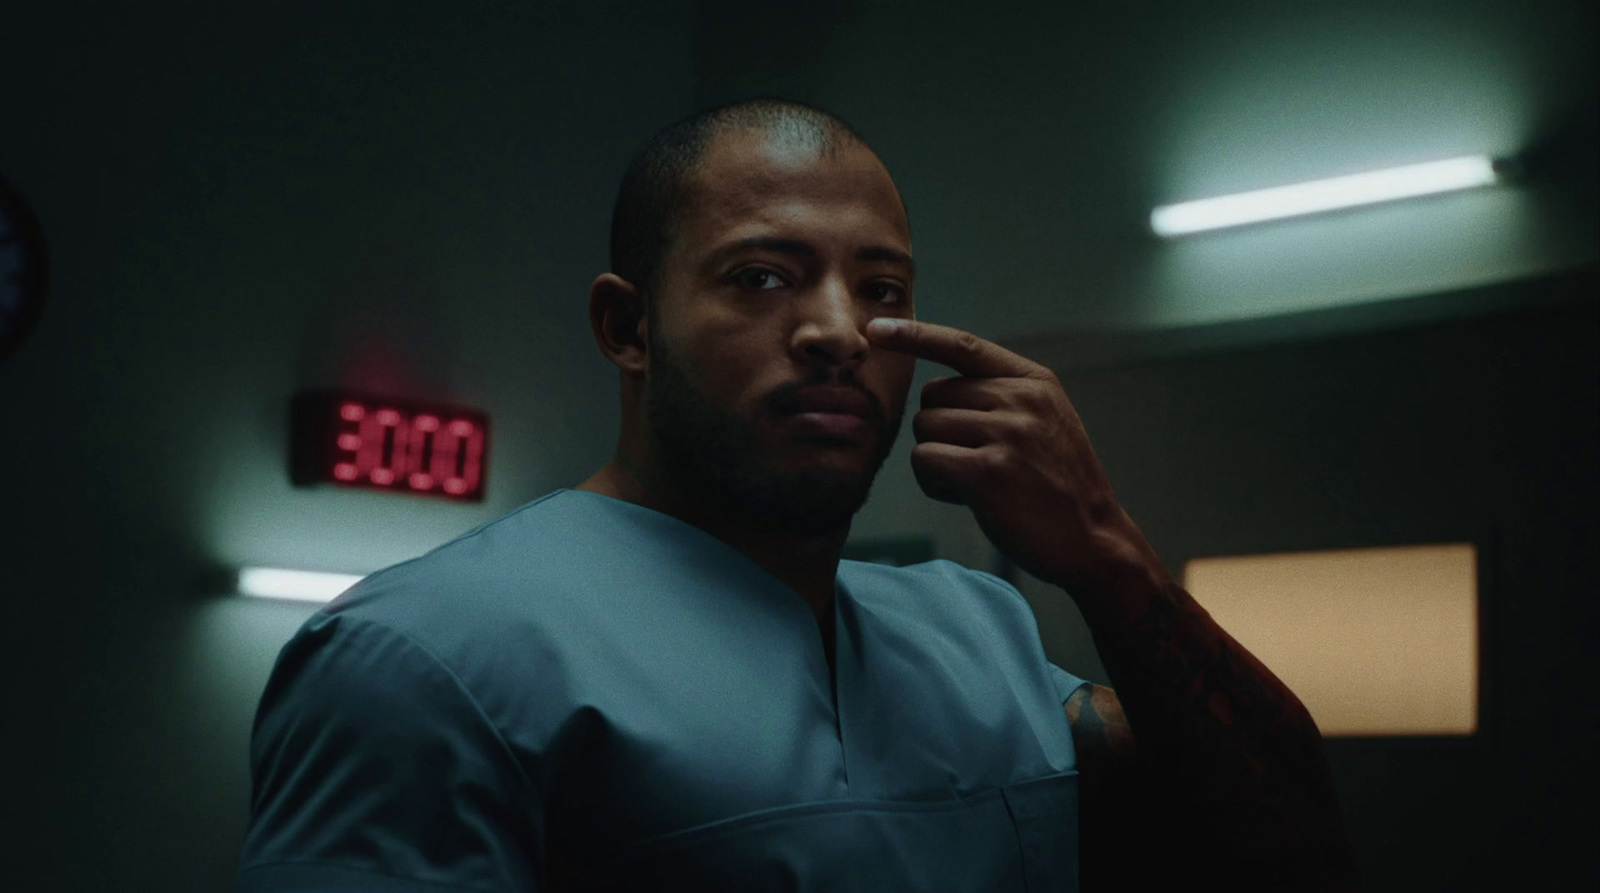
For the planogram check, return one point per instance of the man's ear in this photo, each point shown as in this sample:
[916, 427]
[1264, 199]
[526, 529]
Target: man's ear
[617, 318]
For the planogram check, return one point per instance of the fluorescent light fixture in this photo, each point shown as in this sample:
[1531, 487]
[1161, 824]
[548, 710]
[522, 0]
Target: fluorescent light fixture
[304, 586]
[1324, 195]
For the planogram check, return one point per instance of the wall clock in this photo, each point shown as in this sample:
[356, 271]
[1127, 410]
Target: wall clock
[23, 269]
[380, 443]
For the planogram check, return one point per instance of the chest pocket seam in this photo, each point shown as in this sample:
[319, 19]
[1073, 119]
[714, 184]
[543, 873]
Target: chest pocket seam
[1044, 814]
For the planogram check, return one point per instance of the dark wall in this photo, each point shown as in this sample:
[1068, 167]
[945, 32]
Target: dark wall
[1481, 430]
[241, 201]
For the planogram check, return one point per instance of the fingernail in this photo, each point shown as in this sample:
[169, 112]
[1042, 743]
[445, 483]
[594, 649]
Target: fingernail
[887, 324]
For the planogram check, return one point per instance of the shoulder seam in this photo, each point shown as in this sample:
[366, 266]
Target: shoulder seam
[1002, 585]
[462, 537]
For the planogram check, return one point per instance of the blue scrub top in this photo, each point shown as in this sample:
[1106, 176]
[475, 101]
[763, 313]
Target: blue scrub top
[587, 695]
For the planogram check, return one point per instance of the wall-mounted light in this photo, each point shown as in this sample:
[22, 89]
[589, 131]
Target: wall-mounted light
[303, 586]
[1331, 194]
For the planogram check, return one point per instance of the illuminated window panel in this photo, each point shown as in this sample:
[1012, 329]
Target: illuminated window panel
[1373, 641]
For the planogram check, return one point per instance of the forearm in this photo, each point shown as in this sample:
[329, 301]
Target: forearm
[1242, 752]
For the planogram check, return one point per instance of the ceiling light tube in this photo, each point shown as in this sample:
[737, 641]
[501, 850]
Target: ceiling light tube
[304, 586]
[1393, 183]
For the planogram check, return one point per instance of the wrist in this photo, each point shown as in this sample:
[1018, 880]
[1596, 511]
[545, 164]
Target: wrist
[1121, 583]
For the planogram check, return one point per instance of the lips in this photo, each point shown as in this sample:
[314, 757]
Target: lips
[829, 400]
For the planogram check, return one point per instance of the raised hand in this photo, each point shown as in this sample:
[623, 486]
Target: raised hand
[1003, 439]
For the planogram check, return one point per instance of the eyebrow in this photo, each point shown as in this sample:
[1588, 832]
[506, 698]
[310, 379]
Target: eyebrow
[802, 249]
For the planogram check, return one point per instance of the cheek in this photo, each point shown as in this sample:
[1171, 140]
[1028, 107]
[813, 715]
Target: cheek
[730, 372]
[742, 350]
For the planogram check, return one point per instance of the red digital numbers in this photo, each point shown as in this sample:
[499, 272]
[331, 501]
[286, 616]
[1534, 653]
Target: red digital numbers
[390, 445]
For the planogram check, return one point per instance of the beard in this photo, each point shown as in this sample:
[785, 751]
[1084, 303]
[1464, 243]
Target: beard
[712, 450]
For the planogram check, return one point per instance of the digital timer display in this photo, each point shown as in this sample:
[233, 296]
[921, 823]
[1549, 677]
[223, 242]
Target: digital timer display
[357, 440]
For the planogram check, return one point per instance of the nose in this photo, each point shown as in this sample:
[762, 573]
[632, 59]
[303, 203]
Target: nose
[830, 331]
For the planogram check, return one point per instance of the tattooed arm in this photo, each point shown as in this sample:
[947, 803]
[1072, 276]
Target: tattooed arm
[1201, 765]
[1226, 757]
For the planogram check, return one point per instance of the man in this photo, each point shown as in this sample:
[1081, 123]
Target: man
[667, 679]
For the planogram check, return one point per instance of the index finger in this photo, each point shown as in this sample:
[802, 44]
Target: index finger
[960, 350]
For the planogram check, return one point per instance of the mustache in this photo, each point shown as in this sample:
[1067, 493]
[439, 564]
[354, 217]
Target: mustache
[786, 398]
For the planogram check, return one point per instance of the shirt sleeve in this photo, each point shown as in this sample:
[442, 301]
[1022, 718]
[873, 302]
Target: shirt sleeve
[1065, 682]
[373, 769]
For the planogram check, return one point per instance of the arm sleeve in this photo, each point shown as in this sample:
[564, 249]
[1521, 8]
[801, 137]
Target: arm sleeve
[1065, 682]
[373, 769]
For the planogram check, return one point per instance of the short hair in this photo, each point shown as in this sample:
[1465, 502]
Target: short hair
[654, 188]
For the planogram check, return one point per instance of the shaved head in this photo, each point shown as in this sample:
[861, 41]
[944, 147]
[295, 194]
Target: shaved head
[657, 184]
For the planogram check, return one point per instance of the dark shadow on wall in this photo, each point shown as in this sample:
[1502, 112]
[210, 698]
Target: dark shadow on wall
[1480, 429]
[771, 48]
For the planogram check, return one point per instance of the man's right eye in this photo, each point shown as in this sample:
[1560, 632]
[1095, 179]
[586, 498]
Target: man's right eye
[758, 279]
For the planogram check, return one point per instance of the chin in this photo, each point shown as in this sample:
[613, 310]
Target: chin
[814, 500]
[763, 475]
[814, 489]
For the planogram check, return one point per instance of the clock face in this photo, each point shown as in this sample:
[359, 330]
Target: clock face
[378, 443]
[22, 270]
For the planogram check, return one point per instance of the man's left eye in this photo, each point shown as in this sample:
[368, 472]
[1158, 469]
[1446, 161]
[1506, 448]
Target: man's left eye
[886, 292]
[757, 279]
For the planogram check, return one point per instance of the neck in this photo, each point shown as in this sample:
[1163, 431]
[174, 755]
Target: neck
[806, 563]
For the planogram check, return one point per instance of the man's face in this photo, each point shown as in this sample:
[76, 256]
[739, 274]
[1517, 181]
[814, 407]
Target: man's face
[762, 385]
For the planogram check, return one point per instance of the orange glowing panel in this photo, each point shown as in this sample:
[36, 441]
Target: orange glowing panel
[380, 443]
[1373, 641]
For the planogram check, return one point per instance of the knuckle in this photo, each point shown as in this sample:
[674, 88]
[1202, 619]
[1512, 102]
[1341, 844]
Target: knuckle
[1022, 427]
[1044, 398]
[1026, 394]
[994, 460]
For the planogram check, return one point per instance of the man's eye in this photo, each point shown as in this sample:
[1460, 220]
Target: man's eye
[886, 293]
[758, 279]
